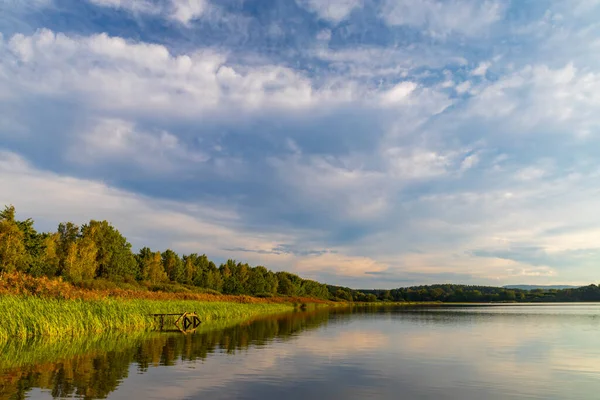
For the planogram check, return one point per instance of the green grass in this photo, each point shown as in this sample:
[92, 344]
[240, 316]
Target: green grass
[25, 317]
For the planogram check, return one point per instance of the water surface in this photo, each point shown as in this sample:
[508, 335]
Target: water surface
[491, 352]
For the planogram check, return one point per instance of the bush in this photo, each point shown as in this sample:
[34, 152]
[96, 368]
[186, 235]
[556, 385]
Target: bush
[264, 295]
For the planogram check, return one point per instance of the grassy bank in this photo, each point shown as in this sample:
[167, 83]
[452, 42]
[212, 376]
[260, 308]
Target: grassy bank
[30, 316]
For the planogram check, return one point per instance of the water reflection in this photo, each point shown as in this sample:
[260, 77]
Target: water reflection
[440, 353]
[96, 366]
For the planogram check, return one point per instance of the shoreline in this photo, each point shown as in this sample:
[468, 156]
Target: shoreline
[31, 317]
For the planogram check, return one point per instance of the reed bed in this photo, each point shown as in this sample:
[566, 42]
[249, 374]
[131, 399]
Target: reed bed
[25, 317]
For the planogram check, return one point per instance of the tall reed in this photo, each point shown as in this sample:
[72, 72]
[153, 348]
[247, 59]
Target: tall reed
[30, 316]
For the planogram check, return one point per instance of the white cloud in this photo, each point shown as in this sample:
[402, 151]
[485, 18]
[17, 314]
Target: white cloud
[481, 69]
[415, 163]
[441, 18]
[322, 181]
[558, 99]
[530, 173]
[324, 35]
[182, 11]
[186, 10]
[331, 10]
[114, 74]
[398, 93]
[141, 6]
[339, 265]
[50, 198]
[114, 139]
[469, 162]
[463, 87]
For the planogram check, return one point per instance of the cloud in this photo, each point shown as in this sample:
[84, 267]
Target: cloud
[558, 99]
[182, 11]
[115, 74]
[333, 11]
[442, 18]
[469, 162]
[481, 69]
[338, 265]
[186, 10]
[50, 198]
[142, 6]
[374, 143]
[110, 140]
[398, 93]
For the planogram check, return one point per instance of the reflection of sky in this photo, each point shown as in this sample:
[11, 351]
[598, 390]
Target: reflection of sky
[460, 354]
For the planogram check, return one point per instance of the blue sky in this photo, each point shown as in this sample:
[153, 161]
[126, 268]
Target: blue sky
[369, 143]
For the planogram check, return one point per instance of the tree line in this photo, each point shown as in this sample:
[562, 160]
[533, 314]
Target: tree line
[98, 251]
[483, 294]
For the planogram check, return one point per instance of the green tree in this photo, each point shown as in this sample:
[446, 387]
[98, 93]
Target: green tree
[13, 254]
[285, 285]
[155, 270]
[143, 259]
[114, 257]
[80, 262]
[256, 282]
[67, 233]
[190, 268]
[50, 257]
[173, 266]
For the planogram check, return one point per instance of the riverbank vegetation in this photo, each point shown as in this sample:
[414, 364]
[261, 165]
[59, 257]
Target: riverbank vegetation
[96, 254]
[484, 294]
[98, 262]
[30, 316]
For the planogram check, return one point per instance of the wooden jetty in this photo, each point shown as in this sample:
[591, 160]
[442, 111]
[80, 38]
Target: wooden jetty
[187, 321]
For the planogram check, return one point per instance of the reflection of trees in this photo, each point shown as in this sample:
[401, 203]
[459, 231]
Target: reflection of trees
[95, 374]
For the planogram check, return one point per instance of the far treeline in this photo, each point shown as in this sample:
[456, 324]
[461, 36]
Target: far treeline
[96, 254]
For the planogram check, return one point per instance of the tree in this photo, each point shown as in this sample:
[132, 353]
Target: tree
[87, 258]
[80, 260]
[189, 268]
[284, 286]
[173, 266]
[67, 242]
[70, 266]
[343, 294]
[213, 278]
[256, 282]
[50, 259]
[143, 259]
[33, 243]
[154, 267]
[226, 269]
[13, 254]
[114, 257]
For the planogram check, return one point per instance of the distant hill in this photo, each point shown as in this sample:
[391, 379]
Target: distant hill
[533, 287]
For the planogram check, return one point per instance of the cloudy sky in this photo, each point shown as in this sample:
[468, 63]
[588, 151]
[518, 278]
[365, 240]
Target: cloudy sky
[369, 143]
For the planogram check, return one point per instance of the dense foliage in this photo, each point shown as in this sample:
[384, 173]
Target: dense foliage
[469, 294]
[96, 252]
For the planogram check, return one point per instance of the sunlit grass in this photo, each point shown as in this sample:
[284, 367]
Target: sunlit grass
[28, 316]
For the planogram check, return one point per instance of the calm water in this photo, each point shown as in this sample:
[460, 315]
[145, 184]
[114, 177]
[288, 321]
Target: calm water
[497, 352]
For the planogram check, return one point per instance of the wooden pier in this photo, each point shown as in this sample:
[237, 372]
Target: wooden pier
[187, 321]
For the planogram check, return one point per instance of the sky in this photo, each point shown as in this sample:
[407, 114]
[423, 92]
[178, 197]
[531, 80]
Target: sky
[365, 143]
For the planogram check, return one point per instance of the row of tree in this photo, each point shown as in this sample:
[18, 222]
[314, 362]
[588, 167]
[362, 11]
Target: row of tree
[97, 250]
[483, 294]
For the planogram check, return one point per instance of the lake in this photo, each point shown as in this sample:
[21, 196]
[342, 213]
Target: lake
[475, 352]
